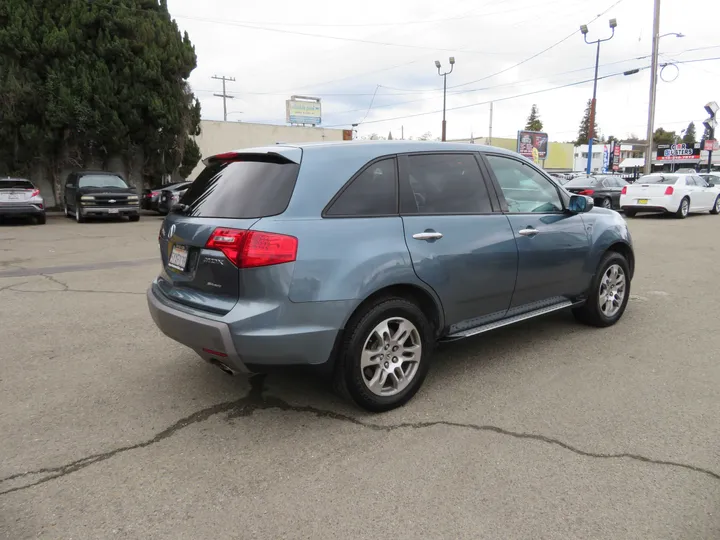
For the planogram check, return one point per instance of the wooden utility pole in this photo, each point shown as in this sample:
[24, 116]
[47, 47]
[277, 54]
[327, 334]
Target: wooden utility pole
[224, 94]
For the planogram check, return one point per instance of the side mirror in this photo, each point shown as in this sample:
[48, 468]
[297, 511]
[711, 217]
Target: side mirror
[580, 203]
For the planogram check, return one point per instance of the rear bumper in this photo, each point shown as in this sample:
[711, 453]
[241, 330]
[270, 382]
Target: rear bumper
[21, 210]
[98, 211]
[644, 208]
[210, 339]
[254, 334]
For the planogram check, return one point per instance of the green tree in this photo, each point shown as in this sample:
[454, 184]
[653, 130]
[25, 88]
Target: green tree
[533, 122]
[88, 80]
[690, 136]
[664, 137]
[584, 130]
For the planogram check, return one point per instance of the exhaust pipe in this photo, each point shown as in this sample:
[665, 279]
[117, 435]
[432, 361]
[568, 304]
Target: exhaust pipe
[217, 363]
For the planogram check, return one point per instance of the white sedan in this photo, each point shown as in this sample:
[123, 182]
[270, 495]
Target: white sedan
[678, 194]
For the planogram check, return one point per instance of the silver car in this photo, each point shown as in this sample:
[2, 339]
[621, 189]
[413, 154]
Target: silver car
[20, 198]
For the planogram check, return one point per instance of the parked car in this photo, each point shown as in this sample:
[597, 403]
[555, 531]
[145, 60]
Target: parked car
[151, 196]
[359, 257]
[678, 194]
[171, 196]
[20, 198]
[605, 190]
[91, 194]
[711, 177]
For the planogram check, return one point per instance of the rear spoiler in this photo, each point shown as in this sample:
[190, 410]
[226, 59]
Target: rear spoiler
[283, 155]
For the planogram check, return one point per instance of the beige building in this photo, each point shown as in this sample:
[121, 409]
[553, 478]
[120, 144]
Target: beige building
[217, 137]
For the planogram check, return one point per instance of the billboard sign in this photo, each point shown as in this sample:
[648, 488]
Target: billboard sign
[606, 158]
[678, 152]
[303, 110]
[527, 141]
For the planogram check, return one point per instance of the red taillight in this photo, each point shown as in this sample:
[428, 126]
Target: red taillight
[624, 191]
[669, 190]
[35, 193]
[586, 192]
[227, 156]
[251, 249]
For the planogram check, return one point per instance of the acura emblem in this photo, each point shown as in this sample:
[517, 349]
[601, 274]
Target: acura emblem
[171, 231]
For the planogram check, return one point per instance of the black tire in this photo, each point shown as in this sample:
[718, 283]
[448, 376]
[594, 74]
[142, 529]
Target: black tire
[716, 207]
[349, 380]
[684, 209]
[607, 203]
[630, 213]
[590, 312]
[134, 218]
[41, 219]
[78, 216]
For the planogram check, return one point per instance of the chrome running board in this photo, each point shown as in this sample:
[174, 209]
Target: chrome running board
[510, 320]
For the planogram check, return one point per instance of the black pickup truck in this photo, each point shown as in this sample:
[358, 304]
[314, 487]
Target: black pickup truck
[100, 194]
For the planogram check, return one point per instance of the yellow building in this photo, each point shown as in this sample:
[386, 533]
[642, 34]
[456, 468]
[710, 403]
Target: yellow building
[560, 155]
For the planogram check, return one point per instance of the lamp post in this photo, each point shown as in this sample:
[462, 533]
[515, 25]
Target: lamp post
[591, 128]
[444, 76]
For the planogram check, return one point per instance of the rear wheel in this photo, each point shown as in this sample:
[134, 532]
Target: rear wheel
[683, 209]
[40, 219]
[607, 203]
[630, 213]
[385, 354]
[609, 292]
[716, 208]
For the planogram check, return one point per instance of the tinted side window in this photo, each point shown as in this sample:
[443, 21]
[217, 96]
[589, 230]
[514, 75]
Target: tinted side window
[525, 189]
[372, 193]
[258, 186]
[446, 184]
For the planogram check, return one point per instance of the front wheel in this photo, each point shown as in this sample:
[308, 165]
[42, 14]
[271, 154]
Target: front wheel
[78, 215]
[609, 293]
[134, 218]
[385, 355]
[716, 208]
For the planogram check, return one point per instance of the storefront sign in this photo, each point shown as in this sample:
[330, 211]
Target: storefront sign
[678, 152]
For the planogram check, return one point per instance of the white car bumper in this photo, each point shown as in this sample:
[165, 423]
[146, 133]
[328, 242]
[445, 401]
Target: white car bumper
[664, 203]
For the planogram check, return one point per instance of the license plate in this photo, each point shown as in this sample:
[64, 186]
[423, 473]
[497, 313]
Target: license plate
[113, 211]
[178, 258]
[14, 196]
[642, 201]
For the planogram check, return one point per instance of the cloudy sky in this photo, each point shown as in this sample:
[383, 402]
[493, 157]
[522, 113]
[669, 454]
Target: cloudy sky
[372, 62]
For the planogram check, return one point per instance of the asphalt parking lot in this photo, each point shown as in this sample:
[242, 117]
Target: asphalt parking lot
[544, 430]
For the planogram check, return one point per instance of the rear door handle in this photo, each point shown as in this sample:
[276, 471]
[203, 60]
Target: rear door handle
[528, 232]
[427, 235]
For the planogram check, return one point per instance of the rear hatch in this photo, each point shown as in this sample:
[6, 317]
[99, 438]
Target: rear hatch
[16, 191]
[207, 242]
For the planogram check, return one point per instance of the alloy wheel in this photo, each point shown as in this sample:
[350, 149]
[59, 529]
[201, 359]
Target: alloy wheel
[391, 356]
[612, 290]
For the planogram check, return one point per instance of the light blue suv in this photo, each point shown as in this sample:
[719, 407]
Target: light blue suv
[361, 256]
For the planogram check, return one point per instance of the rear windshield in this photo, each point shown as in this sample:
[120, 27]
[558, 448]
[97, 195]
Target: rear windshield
[658, 179]
[16, 184]
[101, 181]
[259, 186]
[582, 181]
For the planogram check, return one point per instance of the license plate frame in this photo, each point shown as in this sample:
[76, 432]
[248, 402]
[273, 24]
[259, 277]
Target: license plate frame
[178, 257]
[642, 201]
[13, 197]
[113, 211]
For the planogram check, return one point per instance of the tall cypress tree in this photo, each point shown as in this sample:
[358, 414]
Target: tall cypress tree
[584, 130]
[91, 79]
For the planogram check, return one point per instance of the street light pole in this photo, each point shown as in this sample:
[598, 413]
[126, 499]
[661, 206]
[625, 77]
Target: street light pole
[444, 76]
[591, 128]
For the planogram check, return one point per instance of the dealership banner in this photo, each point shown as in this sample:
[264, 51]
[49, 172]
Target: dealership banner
[527, 141]
[678, 152]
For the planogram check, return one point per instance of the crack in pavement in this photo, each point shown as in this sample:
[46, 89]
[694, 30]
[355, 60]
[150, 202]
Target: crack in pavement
[256, 401]
[65, 288]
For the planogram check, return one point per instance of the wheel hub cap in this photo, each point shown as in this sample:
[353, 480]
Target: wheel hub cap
[612, 290]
